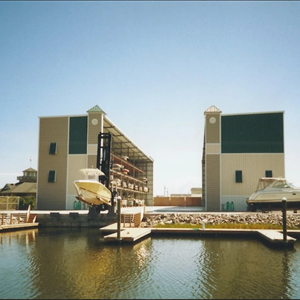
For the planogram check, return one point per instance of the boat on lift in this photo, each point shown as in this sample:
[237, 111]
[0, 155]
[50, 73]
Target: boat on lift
[90, 190]
[269, 194]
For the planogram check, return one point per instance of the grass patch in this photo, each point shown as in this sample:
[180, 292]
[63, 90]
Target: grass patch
[225, 226]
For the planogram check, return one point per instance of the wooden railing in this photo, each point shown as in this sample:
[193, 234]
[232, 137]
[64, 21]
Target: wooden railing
[131, 219]
[16, 217]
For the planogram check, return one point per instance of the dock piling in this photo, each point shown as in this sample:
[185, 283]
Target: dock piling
[284, 208]
[119, 219]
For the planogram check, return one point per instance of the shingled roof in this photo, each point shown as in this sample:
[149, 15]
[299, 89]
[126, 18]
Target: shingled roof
[19, 189]
[30, 170]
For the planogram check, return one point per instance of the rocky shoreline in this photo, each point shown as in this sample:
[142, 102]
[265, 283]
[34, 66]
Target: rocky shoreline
[292, 220]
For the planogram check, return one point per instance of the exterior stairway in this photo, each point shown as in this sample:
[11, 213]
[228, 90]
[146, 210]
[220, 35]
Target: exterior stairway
[31, 218]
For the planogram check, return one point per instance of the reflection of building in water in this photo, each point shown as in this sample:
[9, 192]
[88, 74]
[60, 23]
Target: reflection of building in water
[87, 262]
[26, 236]
[142, 251]
[30, 236]
[241, 262]
[77, 264]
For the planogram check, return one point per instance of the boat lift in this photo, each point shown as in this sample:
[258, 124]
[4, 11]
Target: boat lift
[104, 164]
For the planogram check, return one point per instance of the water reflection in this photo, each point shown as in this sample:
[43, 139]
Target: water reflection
[237, 269]
[78, 263]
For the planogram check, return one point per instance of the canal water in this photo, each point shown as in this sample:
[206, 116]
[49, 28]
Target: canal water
[79, 264]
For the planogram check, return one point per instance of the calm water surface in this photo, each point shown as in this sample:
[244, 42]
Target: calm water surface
[77, 263]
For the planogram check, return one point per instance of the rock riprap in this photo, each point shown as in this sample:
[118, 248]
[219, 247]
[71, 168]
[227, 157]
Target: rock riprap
[292, 220]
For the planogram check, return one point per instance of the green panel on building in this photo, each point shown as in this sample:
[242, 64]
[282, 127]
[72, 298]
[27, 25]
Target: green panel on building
[252, 133]
[78, 135]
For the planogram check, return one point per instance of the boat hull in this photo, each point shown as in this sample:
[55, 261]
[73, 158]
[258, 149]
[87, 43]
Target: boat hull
[270, 192]
[275, 197]
[272, 205]
[92, 193]
[267, 201]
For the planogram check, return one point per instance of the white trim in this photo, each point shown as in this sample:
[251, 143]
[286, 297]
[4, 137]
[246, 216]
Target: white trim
[63, 116]
[92, 149]
[220, 167]
[67, 179]
[213, 148]
[283, 148]
[87, 140]
[38, 161]
[205, 171]
[254, 113]
[258, 153]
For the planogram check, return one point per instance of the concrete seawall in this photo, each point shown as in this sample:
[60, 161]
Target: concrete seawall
[83, 218]
[74, 219]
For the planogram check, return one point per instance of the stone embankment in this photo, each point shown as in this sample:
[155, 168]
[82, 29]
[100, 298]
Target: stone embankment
[292, 220]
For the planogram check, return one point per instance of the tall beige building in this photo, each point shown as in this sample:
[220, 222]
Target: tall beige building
[238, 149]
[70, 143]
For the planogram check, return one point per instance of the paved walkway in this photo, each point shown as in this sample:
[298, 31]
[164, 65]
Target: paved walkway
[149, 210]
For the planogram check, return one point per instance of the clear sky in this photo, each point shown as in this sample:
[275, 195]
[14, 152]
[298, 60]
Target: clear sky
[154, 67]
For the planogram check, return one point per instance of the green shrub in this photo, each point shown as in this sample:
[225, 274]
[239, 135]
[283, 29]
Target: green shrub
[25, 201]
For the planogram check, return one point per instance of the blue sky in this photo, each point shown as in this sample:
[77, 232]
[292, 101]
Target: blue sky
[154, 67]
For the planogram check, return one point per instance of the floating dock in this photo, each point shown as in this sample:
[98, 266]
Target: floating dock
[18, 226]
[273, 237]
[131, 234]
[276, 237]
[17, 220]
[127, 233]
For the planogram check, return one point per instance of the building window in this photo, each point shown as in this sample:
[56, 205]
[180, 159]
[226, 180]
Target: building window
[52, 176]
[238, 176]
[78, 135]
[269, 173]
[52, 148]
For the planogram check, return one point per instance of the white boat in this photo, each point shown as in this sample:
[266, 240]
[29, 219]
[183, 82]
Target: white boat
[269, 194]
[90, 190]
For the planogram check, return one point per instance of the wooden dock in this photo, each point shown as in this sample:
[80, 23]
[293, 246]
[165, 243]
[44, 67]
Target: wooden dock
[11, 227]
[17, 220]
[127, 233]
[276, 237]
[131, 234]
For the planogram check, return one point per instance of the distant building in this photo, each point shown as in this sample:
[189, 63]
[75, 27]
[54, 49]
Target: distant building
[193, 199]
[195, 192]
[238, 149]
[25, 187]
[179, 195]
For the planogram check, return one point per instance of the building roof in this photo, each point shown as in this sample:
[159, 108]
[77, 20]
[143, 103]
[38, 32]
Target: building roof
[96, 108]
[8, 186]
[30, 170]
[22, 188]
[212, 109]
[119, 137]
